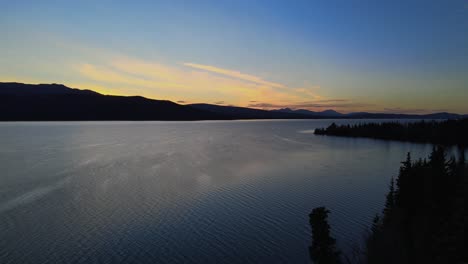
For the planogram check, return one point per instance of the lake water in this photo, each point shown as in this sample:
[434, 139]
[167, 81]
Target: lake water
[185, 192]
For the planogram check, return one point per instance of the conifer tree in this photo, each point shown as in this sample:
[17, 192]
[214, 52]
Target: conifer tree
[389, 202]
[323, 249]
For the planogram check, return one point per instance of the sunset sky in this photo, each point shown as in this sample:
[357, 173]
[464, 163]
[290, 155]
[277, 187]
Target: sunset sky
[380, 56]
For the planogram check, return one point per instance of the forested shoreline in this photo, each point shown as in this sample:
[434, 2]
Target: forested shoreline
[449, 132]
[425, 218]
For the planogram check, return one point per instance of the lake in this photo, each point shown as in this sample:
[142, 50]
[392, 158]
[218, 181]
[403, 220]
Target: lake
[185, 192]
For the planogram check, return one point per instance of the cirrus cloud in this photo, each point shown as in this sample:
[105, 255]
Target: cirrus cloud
[198, 83]
[233, 74]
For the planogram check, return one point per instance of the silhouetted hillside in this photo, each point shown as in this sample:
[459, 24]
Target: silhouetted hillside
[451, 132]
[326, 114]
[48, 102]
[364, 115]
[44, 102]
[21, 89]
[235, 112]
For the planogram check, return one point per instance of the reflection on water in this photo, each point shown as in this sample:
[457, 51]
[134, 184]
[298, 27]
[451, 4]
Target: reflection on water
[204, 192]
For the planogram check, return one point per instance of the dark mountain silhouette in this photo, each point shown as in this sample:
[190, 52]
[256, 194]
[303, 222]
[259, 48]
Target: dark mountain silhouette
[326, 113]
[21, 89]
[364, 115]
[331, 112]
[50, 102]
[47, 102]
[249, 113]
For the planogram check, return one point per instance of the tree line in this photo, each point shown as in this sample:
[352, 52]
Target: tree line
[425, 218]
[449, 132]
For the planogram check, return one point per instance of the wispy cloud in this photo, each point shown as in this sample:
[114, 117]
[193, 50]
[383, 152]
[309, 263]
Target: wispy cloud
[110, 72]
[332, 100]
[209, 84]
[198, 83]
[234, 74]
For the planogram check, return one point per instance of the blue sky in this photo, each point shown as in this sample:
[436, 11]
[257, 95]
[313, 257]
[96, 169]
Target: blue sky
[386, 56]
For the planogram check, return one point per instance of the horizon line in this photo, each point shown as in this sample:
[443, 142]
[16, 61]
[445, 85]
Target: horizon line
[222, 104]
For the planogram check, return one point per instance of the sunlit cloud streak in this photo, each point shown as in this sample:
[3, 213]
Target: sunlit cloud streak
[198, 83]
[234, 74]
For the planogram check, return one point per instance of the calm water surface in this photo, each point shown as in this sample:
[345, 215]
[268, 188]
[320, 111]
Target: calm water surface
[184, 192]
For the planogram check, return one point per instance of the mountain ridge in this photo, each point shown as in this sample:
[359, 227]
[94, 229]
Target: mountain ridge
[53, 102]
[249, 113]
[57, 102]
[367, 115]
[328, 112]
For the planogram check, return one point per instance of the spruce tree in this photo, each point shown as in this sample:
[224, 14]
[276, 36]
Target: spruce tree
[323, 249]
